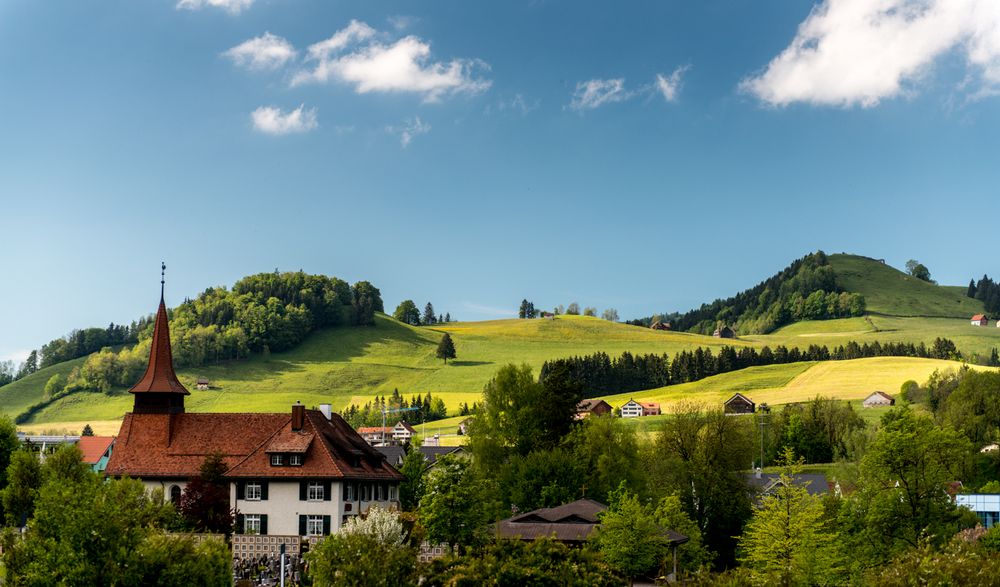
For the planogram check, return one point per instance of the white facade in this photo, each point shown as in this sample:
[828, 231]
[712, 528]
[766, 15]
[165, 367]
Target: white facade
[284, 505]
[401, 432]
[632, 409]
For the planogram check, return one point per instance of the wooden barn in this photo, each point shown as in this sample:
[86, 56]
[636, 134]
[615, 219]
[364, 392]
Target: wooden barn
[724, 332]
[739, 404]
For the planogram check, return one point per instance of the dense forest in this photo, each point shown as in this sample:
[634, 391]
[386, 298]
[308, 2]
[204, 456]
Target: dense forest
[598, 374]
[805, 290]
[988, 292]
[262, 313]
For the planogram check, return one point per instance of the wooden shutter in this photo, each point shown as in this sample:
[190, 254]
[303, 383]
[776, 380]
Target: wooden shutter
[239, 523]
[302, 525]
[303, 488]
[241, 490]
[327, 491]
[263, 524]
[263, 491]
[326, 525]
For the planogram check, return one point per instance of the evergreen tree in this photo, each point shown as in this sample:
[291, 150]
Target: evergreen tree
[446, 348]
[994, 358]
[429, 316]
[972, 288]
[447, 317]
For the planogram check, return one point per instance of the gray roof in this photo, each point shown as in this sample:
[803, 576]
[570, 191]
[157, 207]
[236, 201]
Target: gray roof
[815, 483]
[571, 522]
[393, 454]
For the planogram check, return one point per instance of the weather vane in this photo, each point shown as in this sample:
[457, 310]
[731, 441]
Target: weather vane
[163, 273]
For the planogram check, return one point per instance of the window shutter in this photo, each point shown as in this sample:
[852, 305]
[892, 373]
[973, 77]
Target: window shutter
[239, 523]
[303, 487]
[302, 525]
[326, 525]
[263, 524]
[327, 491]
[263, 490]
[241, 490]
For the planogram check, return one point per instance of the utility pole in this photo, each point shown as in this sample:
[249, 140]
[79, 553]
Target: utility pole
[764, 411]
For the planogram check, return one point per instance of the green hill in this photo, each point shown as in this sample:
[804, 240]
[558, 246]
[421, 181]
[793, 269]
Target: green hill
[891, 292]
[347, 365]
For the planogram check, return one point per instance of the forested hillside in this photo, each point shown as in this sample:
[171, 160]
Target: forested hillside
[805, 290]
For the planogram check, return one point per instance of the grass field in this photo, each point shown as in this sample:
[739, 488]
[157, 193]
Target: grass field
[351, 365]
[890, 291]
[795, 382]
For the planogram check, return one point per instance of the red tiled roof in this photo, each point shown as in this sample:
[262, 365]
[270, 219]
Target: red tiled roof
[978, 317]
[94, 447]
[338, 452]
[652, 405]
[290, 441]
[160, 376]
[374, 430]
[175, 445]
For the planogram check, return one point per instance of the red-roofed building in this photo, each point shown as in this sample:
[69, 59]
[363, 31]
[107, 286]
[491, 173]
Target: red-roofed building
[303, 472]
[96, 450]
[980, 320]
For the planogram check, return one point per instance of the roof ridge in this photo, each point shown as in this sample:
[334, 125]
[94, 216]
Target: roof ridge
[323, 439]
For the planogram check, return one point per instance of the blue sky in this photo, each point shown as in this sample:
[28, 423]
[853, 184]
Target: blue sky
[645, 156]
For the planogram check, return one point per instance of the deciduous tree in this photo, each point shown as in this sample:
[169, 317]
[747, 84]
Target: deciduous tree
[407, 312]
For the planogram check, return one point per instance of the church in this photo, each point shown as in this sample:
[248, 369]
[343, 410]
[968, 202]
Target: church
[303, 472]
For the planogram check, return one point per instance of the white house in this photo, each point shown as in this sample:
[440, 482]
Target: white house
[981, 320]
[632, 409]
[402, 432]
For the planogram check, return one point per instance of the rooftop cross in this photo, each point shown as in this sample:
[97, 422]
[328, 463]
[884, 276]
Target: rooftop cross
[163, 272]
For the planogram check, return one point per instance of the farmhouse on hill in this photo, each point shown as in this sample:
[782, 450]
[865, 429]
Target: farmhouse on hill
[981, 320]
[298, 473]
[724, 332]
[203, 384]
[739, 404]
[657, 325]
[634, 409]
[878, 399]
[597, 407]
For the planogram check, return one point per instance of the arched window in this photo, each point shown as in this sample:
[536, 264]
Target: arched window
[175, 494]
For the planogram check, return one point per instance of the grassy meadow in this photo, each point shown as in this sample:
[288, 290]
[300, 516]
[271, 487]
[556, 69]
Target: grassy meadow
[342, 366]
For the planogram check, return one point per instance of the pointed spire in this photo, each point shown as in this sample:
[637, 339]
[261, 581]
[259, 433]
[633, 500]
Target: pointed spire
[160, 376]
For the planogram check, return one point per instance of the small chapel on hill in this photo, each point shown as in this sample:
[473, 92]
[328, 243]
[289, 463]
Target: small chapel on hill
[303, 472]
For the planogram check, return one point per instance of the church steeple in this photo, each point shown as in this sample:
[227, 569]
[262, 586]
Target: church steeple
[159, 391]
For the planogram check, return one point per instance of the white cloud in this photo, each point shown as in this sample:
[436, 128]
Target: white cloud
[859, 52]
[266, 52]
[402, 21]
[272, 121]
[598, 92]
[231, 6]
[411, 128]
[670, 86]
[355, 56]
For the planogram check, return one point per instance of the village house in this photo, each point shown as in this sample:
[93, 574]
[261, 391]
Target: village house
[298, 473]
[657, 325]
[878, 399]
[203, 384]
[572, 524]
[96, 451]
[375, 435]
[403, 432]
[463, 426]
[724, 332]
[981, 320]
[597, 407]
[634, 409]
[985, 505]
[739, 404]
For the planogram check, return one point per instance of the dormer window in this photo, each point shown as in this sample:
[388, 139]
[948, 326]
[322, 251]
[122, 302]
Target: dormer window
[276, 461]
[295, 460]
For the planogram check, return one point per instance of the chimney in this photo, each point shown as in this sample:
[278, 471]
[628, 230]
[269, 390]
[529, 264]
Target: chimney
[326, 409]
[298, 416]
